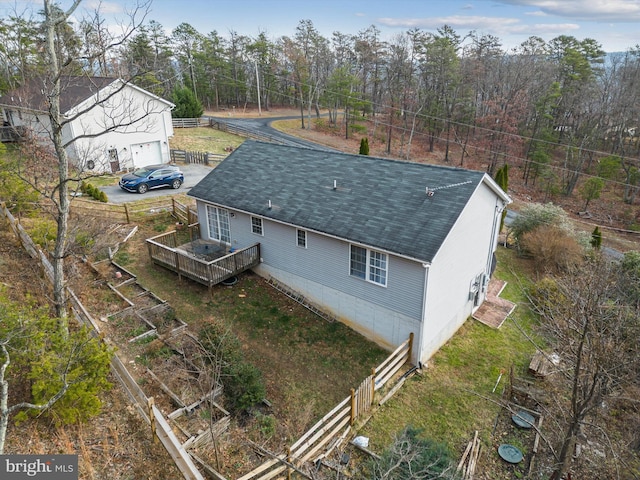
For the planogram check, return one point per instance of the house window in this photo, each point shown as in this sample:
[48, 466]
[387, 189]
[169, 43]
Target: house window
[301, 238]
[378, 267]
[218, 222]
[256, 225]
[368, 265]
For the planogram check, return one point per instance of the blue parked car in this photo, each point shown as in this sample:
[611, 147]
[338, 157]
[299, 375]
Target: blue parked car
[152, 176]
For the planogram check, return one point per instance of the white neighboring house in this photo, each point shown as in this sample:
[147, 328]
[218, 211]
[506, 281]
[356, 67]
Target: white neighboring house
[111, 125]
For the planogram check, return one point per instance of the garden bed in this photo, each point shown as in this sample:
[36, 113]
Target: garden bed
[163, 317]
[113, 273]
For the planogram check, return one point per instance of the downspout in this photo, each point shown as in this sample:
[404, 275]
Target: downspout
[423, 321]
[493, 245]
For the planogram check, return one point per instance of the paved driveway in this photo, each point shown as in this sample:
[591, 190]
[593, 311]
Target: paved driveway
[260, 127]
[193, 173]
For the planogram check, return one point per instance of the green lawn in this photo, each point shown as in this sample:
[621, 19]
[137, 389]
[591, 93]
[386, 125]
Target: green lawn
[311, 364]
[203, 139]
[454, 396]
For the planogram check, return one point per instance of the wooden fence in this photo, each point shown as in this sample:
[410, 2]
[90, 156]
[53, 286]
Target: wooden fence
[223, 126]
[130, 212]
[145, 406]
[242, 131]
[328, 433]
[188, 122]
[200, 158]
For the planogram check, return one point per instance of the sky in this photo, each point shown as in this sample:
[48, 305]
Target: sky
[615, 24]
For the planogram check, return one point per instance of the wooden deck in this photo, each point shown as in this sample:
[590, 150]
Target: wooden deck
[203, 262]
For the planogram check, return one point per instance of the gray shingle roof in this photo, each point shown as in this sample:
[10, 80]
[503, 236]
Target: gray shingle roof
[74, 90]
[378, 202]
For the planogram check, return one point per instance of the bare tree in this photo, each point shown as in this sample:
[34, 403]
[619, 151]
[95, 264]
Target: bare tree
[61, 61]
[411, 457]
[208, 360]
[595, 333]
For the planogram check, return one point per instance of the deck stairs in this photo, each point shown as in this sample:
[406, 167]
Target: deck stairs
[301, 299]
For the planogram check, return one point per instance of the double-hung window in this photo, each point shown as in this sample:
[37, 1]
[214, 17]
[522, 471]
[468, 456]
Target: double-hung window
[218, 223]
[368, 265]
[256, 225]
[301, 238]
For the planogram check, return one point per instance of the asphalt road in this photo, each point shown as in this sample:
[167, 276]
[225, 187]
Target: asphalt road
[193, 173]
[261, 127]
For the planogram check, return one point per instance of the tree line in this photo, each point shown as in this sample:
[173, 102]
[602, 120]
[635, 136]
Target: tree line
[557, 107]
[561, 109]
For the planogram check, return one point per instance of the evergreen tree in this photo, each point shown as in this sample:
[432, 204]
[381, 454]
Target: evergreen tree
[187, 105]
[45, 371]
[591, 190]
[596, 238]
[364, 146]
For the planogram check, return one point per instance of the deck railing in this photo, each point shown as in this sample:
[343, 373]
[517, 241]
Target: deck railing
[164, 252]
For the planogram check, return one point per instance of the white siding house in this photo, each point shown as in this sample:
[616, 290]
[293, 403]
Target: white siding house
[109, 125]
[387, 247]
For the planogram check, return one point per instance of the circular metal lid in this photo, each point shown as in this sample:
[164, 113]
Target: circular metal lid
[510, 453]
[523, 419]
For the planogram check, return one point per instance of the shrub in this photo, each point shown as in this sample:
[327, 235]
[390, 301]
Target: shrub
[630, 276]
[43, 232]
[84, 239]
[364, 146]
[535, 215]
[243, 386]
[545, 295]
[596, 238]
[243, 382]
[266, 424]
[18, 195]
[591, 190]
[411, 457]
[93, 192]
[553, 248]
[87, 372]
[358, 128]
[102, 197]
[45, 356]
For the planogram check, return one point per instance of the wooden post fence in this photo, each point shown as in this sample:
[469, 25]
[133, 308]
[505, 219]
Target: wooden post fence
[338, 423]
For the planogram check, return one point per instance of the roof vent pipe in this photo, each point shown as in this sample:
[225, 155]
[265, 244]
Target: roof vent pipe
[335, 184]
[269, 204]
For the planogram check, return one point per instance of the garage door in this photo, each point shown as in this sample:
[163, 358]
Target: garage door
[146, 154]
